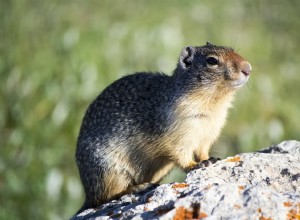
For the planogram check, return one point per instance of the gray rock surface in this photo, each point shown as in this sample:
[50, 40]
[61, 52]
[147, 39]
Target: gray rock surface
[261, 185]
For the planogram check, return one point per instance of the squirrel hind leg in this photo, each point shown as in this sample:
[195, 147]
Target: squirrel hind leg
[102, 187]
[141, 188]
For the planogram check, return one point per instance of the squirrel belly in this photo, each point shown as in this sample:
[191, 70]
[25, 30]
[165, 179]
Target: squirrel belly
[143, 124]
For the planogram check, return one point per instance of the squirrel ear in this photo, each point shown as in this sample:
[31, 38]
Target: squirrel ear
[186, 57]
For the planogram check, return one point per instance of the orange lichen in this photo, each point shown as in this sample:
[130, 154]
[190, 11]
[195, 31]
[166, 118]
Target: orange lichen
[264, 218]
[189, 213]
[183, 213]
[241, 187]
[236, 206]
[288, 204]
[293, 214]
[208, 186]
[233, 159]
[202, 215]
[180, 185]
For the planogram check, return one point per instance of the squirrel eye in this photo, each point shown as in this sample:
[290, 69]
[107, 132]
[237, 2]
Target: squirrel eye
[212, 60]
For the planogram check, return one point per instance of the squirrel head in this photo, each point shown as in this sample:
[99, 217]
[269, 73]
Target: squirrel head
[212, 66]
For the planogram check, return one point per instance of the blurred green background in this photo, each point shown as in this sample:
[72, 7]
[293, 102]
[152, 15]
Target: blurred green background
[56, 56]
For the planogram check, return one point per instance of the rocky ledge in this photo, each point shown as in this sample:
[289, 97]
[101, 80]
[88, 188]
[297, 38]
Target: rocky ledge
[260, 185]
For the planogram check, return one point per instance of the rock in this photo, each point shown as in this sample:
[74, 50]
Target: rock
[260, 185]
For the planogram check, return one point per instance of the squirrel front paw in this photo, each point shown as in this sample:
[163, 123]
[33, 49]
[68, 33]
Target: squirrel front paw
[206, 163]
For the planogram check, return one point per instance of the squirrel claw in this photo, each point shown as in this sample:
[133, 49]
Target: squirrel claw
[206, 163]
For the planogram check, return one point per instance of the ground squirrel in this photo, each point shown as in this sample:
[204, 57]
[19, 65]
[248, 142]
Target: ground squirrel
[143, 124]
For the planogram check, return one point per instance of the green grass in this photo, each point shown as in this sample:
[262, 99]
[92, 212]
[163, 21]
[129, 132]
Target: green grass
[56, 56]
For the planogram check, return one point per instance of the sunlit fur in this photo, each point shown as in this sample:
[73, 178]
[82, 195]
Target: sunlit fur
[143, 124]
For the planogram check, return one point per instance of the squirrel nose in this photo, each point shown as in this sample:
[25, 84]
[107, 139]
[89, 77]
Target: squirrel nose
[246, 68]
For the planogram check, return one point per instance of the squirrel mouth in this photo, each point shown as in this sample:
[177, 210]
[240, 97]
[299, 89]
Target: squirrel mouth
[240, 82]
